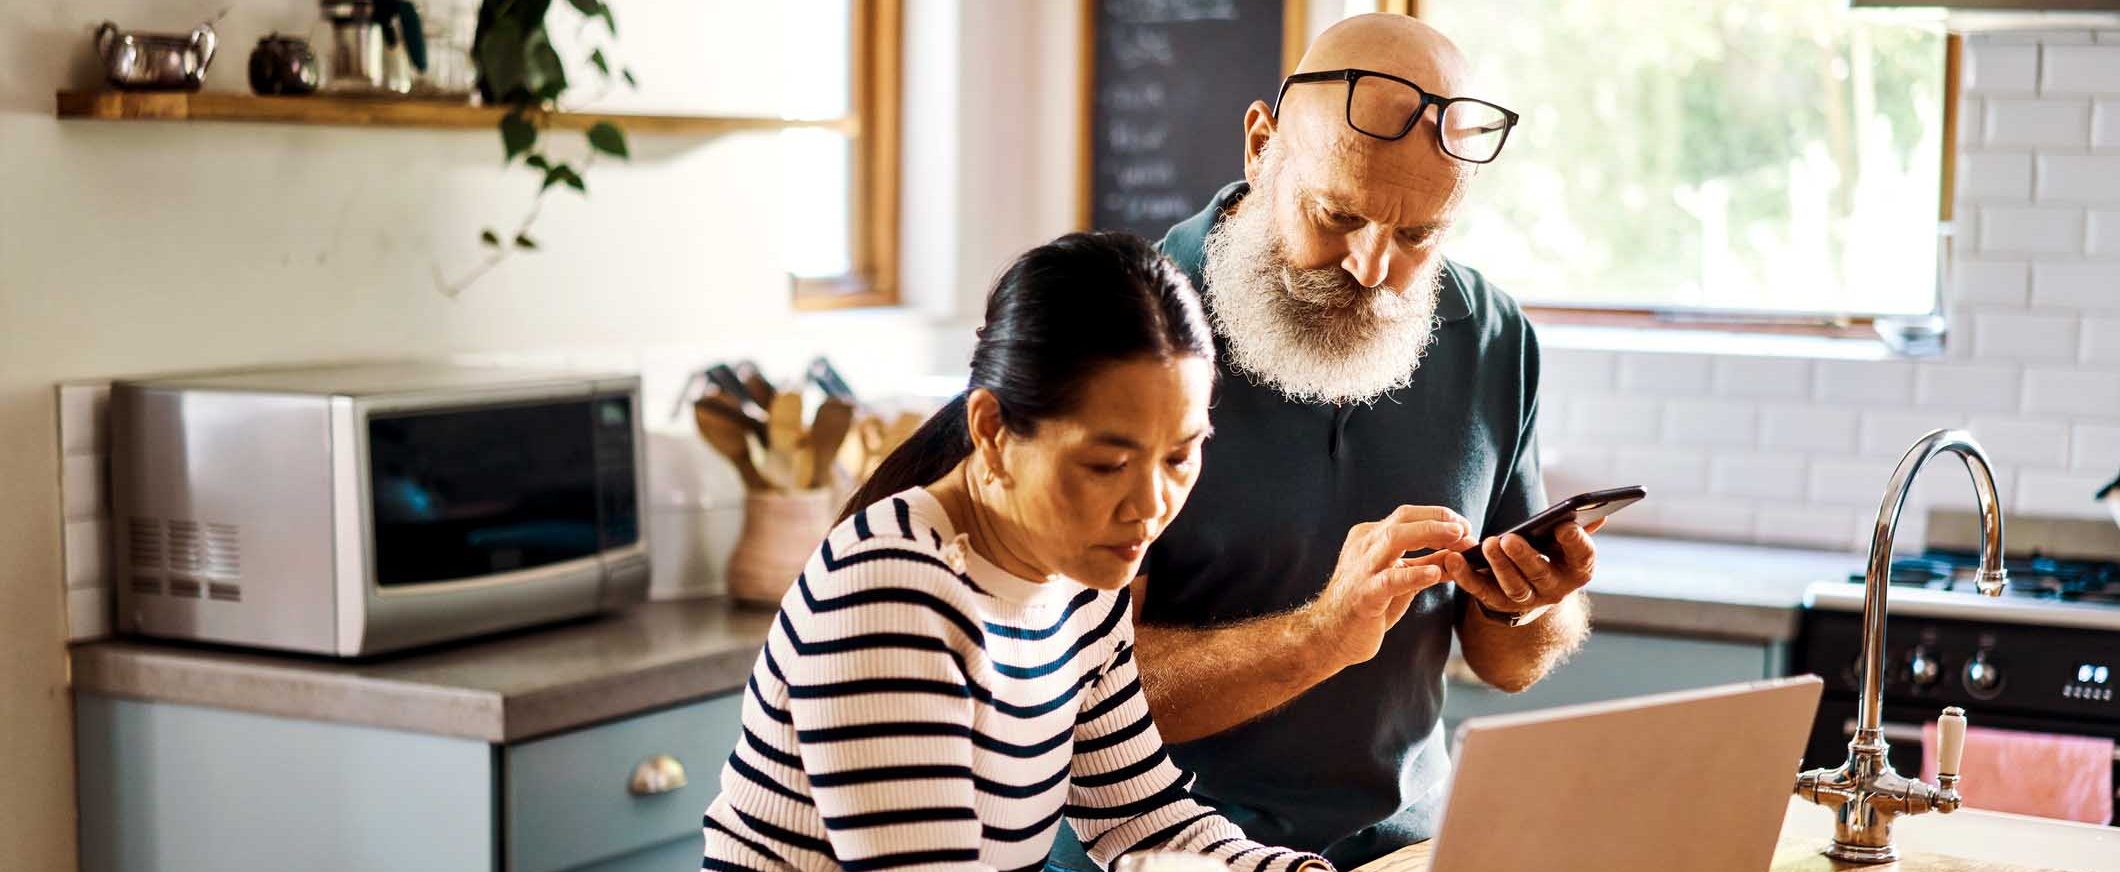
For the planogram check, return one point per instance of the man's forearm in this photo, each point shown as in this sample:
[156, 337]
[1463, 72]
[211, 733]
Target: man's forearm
[1202, 682]
[1514, 658]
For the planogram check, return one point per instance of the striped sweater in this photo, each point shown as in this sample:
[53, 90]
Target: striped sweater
[915, 705]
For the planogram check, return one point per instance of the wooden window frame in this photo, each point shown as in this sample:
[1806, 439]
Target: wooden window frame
[1791, 323]
[877, 40]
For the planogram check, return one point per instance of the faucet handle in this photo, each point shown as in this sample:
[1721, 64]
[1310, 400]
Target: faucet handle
[1950, 729]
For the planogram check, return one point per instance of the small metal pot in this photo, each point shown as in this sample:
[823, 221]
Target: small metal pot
[155, 61]
[283, 65]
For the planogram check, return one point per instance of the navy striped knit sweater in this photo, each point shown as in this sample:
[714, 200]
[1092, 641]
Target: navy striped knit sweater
[916, 706]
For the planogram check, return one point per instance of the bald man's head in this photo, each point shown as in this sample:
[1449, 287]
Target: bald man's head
[1324, 279]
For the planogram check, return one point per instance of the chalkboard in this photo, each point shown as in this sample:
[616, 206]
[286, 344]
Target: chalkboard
[1167, 83]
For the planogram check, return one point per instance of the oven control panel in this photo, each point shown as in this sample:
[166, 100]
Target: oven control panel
[1993, 667]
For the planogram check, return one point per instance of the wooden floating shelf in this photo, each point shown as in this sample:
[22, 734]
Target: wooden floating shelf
[321, 109]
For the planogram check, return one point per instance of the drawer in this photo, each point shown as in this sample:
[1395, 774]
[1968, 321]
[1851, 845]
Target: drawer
[567, 798]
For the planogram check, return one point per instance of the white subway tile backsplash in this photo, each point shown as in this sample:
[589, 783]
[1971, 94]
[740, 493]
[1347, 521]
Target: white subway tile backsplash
[1991, 282]
[2070, 69]
[1995, 175]
[2076, 285]
[2067, 392]
[1950, 487]
[2021, 336]
[2031, 230]
[86, 543]
[87, 614]
[1769, 476]
[1890, 434]
[2079, 178]
[2101, 341]
[1971, 122]
[1575, 370]
[1865, 382]
[1665, 374]
[2068, 494]
[1762, 377]
[1617, 418]
[1710, 422]
[1719, 518]
[1808, 428]
[81, 412]
[83, 487]
[1969, 387]
[1850, 481]
[2017, 441]
[2105, 123]
[1659, 469]
[2104, 237]
[2038, 123]
[2001, 69]
[2095, 447]
[1802, 525]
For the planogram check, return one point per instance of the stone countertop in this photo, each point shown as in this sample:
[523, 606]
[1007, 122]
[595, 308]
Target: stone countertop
[504, 689]
[1708, 589]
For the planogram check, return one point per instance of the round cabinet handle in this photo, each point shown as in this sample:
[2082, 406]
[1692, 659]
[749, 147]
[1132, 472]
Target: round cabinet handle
[661, 773]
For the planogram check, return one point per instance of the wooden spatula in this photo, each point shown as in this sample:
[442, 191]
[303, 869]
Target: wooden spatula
[828, 428]
[728, 433]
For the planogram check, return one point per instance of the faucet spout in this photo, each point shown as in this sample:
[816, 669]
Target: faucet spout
[1865, 794]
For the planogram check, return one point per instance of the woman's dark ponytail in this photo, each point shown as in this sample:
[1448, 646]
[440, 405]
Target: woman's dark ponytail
[1059, 313]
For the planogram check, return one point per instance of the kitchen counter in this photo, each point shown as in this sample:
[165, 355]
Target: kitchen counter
[1966, 841]
[504, 689]
[1708, 589]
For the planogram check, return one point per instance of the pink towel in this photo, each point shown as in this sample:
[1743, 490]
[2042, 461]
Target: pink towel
[2038, 774]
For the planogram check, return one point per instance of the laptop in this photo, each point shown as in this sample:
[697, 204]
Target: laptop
[1678, 782]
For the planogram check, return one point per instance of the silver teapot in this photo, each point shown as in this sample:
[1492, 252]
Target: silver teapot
[155, 61]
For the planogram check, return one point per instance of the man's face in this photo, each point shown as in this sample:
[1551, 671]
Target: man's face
[1324, 279]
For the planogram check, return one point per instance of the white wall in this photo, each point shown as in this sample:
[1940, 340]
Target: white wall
[1796, 450]
[128, 248]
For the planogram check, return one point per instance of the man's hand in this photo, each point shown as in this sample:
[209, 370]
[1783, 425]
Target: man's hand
[1523, 579]
[1374, 582]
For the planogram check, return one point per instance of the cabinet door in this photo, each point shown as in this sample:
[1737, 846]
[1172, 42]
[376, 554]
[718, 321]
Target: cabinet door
[176, 788]
[676, 855]
[1615, 665]
[568, 802]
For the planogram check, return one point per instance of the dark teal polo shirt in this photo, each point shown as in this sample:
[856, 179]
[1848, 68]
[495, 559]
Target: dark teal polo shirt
[1355, 767]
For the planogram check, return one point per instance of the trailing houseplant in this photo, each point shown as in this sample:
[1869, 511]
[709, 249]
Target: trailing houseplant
[519, 69]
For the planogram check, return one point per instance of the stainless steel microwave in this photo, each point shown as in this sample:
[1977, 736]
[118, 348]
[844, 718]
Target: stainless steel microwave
[358, 509]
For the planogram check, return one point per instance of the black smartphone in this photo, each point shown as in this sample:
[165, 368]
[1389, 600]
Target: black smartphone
[1581, 508]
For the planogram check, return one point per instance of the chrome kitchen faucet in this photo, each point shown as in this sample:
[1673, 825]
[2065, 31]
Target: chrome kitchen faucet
[1864, 793]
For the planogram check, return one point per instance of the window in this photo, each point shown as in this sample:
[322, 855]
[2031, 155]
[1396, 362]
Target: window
[840, 62]
[1779, 158]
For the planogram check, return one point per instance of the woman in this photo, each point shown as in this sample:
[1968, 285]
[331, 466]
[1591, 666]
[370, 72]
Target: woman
[954, 668]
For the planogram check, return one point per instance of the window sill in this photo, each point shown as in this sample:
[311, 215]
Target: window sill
[1734, 343]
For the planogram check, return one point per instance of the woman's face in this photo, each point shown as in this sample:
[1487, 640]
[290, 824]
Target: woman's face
[1090, 490]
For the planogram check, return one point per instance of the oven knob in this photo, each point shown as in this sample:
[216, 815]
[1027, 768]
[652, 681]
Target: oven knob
[1982, 678]
[1923, 668]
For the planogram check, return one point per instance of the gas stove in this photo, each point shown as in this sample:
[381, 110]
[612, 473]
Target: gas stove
[2043, 591]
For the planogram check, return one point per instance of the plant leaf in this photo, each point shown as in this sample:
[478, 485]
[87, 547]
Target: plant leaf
[523, 241]
[543, 74]
[562, 174]
[517, 133]
[607, 138]
[489, 238]
[610, 24]
[500, 58]
[538, 162]
[588, 8]
[630, 81]
[596, 59]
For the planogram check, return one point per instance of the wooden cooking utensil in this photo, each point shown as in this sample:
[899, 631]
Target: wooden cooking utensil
[828, 428]
[755, 382]
[729, 434]
[735, 407]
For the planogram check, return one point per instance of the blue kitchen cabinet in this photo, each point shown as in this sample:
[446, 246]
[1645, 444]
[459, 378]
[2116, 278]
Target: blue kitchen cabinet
[1612, 665]
[178, 788]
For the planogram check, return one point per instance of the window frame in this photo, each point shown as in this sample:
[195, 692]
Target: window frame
[876, 39]
[1787, 323]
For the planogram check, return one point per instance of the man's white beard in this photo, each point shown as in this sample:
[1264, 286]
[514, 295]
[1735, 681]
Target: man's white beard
[1315, 335]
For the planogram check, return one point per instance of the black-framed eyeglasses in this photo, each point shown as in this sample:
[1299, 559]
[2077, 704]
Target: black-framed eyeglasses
[1387, 107]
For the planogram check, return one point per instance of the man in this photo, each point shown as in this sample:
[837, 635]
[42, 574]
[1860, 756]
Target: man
[1373, 397]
